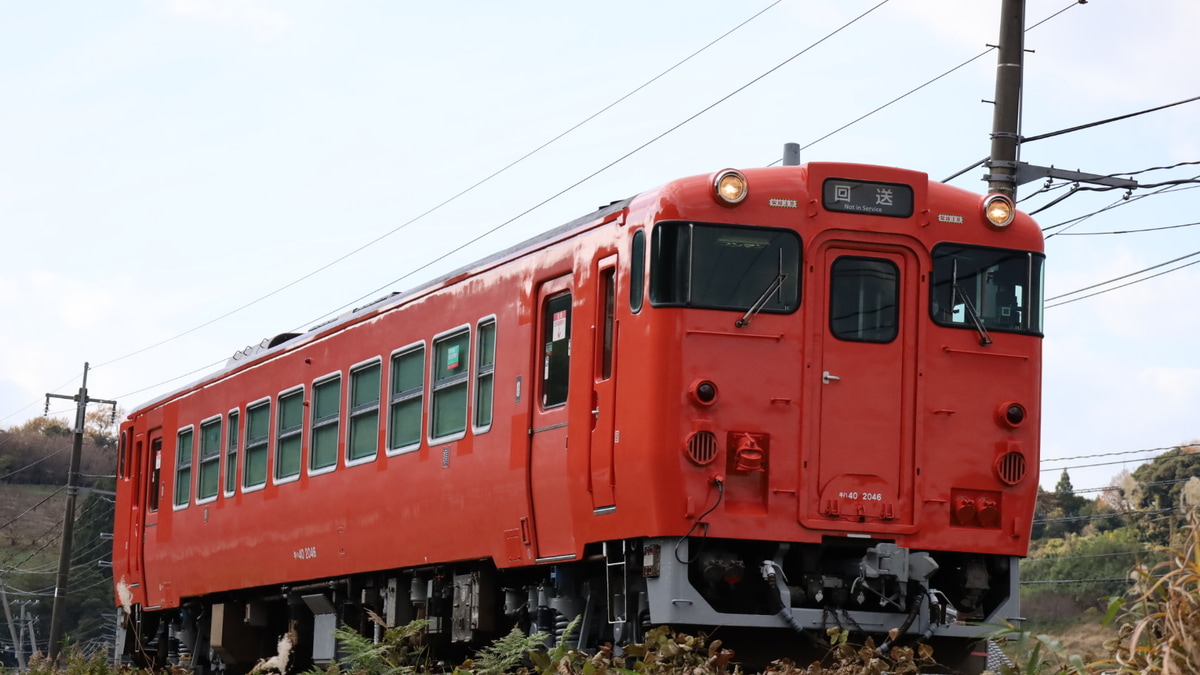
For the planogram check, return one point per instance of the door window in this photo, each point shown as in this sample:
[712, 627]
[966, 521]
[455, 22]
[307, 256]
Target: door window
[864, 299]
[556, 355]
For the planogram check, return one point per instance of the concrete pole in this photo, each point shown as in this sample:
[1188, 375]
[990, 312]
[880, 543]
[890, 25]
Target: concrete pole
[1006, 119]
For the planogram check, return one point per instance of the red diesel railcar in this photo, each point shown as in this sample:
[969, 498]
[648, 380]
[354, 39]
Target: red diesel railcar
[789, 398]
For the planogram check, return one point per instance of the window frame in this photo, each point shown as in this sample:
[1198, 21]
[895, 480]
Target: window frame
[217, 457]
[478, 374]
[351, 414]
[177, 505]
[251, 407]
[315, 424]
[407, 395]
[231, 452]
[435, 387]
[288, 434]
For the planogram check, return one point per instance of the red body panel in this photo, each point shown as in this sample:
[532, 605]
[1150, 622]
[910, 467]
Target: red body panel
[885, 450]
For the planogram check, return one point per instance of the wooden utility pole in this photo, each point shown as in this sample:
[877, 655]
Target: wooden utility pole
[68, 531]
[1006, 119]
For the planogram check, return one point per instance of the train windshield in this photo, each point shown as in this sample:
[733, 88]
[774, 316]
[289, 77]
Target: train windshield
[725, 267]
[987, 289]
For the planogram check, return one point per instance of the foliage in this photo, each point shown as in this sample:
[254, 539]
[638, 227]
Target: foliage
[76, 663]
[39, 452]
[1161, 484]
[399, 652]
[1104, 556]
[500, 656]
[1160, 631]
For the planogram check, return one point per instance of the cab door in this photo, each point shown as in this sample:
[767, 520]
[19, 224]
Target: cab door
[550, 484]
[152, 492]
[866, 365]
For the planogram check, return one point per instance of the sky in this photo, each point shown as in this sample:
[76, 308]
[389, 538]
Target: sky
[182, 178]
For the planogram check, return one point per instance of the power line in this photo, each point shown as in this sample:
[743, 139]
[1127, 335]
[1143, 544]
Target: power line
[1135, 281]
[460, 194]
[1107, 454]
[605, 167]
[1138, 231]
[453, 198]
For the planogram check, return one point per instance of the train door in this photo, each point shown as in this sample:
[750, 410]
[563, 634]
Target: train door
[604, 398]
[866, 367]
[549, 483]
[151, 494]
[132, 469]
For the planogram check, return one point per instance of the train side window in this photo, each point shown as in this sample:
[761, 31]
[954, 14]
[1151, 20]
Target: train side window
[154, 488]
[231, 453]
[184, 449]
[121, 451]
[485, 374]
[210, 460]
[451, 379]
[258, 438]
[326, 424]
[290, 434]
[864, 299]
[637, 271]
[407, 399]
[363, 442]
[556, 354]
[608, 286]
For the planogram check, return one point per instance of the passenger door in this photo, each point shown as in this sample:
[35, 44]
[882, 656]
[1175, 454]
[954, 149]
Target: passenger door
[864, 459]
[549, 482]
[603, 411]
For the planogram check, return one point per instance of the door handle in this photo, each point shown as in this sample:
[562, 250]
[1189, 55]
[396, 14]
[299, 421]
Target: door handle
[826, 378]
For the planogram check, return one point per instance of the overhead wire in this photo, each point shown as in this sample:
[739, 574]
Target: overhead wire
[604, 168]
[914, 90]
[456, 196]
[619, 100]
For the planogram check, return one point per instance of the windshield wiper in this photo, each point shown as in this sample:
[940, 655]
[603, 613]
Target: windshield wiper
[984, 338]
[775, 285]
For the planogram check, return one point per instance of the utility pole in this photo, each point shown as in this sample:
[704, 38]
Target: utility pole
[1006, 118]
[64, 552]
[12, 628]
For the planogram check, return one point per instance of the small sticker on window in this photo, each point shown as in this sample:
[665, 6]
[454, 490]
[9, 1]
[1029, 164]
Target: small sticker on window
[452, 357]
[560, 326]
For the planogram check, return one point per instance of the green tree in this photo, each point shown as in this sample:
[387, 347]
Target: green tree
[1161, 483]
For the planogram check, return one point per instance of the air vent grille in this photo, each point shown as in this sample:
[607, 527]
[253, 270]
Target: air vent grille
[1011, 467]
[702, 447]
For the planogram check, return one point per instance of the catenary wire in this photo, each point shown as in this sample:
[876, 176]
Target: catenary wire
[205, 368]
[451, 199]
[604, 168]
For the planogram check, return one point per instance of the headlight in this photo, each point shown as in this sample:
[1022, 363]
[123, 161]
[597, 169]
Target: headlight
[730, 187]
[998, 211]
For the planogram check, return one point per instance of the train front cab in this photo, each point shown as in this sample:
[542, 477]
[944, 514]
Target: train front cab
[867, 455]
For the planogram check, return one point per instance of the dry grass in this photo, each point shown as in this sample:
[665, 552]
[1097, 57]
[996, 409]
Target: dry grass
[1160, 631]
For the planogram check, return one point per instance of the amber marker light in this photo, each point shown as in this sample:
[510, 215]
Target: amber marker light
[730, 187]
[998, 211]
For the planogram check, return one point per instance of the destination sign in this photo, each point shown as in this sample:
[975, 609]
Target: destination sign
[873, 199]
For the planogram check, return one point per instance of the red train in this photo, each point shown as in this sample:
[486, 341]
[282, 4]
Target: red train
[781, 398]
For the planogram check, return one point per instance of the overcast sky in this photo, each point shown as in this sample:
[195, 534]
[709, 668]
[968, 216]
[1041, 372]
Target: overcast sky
[182, 178]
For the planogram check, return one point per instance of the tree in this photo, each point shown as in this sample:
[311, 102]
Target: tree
[1161, 483]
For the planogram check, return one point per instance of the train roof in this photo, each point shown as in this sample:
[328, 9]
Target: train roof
[284, 341]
